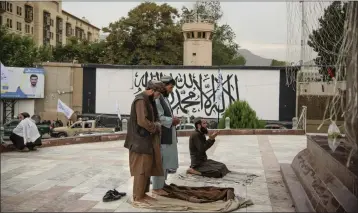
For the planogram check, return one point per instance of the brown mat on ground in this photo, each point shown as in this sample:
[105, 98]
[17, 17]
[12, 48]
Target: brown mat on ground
[205, 194]
[196, 199]
[170, 204]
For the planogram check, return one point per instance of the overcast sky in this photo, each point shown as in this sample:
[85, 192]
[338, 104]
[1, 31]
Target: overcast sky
[259, 26]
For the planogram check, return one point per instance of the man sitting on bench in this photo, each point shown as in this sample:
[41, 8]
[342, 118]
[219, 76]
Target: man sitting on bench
[198, 144]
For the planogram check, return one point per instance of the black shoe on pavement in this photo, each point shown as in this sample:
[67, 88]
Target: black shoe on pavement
[110, 196]
[115, 192]
[172, 171]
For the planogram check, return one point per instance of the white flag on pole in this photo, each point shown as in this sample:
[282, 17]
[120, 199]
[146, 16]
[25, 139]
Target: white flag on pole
[62, 107]
[118, 110]
[219, 90]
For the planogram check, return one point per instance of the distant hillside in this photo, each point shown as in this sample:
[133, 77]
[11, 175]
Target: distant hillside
[254, 60]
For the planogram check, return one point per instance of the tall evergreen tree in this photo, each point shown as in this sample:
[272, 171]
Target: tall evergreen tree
[327, 39]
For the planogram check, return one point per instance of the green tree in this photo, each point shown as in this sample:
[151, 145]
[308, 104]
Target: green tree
[149, 35]
[242, 116]
[81, 50]
[16, 50]
[225, 49]
[278, 63]
[327, 39]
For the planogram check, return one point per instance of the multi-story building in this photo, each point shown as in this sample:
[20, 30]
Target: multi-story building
[45, 22]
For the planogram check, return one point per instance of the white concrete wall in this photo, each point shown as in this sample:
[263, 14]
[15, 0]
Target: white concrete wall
[194, 91]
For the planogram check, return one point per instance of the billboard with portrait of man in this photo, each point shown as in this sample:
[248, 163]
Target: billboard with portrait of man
[19, 83]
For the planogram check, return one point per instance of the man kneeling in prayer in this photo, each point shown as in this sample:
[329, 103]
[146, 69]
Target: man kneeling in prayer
[198, 145]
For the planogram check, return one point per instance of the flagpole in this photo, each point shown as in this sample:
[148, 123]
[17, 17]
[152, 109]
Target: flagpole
[217, 127]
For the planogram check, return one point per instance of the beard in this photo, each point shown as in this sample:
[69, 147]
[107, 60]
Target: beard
[204, 130]
[151, 97]
[166, 94]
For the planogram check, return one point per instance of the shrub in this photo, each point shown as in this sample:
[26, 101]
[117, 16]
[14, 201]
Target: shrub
[242, 116]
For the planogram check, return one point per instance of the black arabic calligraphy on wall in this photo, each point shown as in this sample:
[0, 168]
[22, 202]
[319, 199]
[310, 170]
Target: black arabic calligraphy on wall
[193, 92]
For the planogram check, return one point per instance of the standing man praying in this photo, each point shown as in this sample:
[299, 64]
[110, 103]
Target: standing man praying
[169, 148]
[143, 140]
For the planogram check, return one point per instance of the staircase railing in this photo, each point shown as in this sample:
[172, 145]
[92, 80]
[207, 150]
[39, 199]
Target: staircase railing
[302, 121]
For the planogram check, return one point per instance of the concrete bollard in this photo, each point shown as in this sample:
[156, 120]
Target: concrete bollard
[294, 123]
[227, 123]
[124, 125]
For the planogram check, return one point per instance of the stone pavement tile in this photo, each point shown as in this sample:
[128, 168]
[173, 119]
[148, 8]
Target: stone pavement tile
[258, 188]
[16, 188]
[6, 207]
[259, 199]
[42, 198]
[259, 208]
[110, 205]
[279, 196]
[110, 183]
[69, 174]
[19, 198]
[272, 176]
[80, 206]
[74, 181]
[81, 177]
[95, 195]
[9, 182]
[100, 210]
[45, 185]
[126, 207]
[60, 203]
[29, 174]
[259, 172]
[88, 185]
[269, 159]
[283, 209]
[12, 173]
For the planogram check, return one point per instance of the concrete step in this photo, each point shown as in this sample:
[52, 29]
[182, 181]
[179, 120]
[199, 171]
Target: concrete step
[295, 189]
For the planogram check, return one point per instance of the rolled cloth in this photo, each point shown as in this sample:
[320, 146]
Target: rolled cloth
[156, 86]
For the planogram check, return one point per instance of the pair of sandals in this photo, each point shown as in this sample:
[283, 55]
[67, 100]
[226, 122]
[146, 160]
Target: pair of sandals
[112, 195]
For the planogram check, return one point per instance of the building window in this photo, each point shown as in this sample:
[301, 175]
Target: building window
[68, 29]
[2, 6]
[32, 30]
[89, 36]
[59, 25]
[9, 23]
[19, 11]
[51, 22]
[18, 26]
[0, 20]
[29, 13]
[204, 34]
[9, 7]
[51, 33]
[27, 28]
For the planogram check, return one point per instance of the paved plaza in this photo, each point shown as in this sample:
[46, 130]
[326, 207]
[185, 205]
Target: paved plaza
[75, 177]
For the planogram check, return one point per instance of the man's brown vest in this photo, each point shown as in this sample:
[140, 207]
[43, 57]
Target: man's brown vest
[138, 139]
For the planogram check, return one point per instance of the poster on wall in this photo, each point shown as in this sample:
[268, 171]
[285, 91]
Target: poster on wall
[22, 83]
[195, 90]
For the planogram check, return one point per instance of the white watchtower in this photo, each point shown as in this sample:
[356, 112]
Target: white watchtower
[197, 41]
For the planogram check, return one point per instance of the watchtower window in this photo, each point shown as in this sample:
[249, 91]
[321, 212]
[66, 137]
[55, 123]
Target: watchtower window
[194, 54]
[204, 35]
[192, 35]
[188, 35]
[199, 35]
